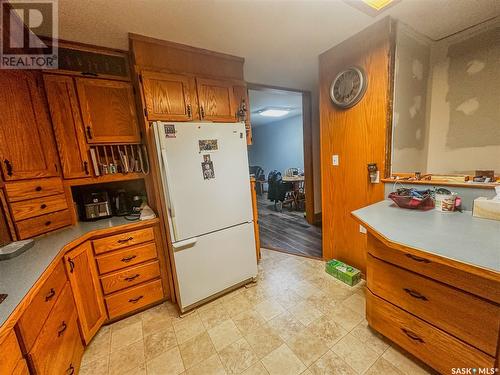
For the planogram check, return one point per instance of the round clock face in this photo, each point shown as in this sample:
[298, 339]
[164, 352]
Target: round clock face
[348, 87]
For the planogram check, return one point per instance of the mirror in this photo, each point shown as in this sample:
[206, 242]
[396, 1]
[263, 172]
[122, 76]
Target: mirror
[446, 112]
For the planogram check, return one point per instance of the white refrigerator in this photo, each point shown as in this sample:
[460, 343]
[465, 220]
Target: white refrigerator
[205, 177]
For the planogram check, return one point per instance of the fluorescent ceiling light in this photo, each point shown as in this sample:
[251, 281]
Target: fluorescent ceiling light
[378, 4]
[274, 112]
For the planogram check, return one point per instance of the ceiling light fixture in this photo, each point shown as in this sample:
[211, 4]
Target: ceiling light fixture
[372, 7]
[274, 112]
[378, 5]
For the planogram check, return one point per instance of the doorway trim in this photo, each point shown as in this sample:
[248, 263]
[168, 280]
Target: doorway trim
[307, 140]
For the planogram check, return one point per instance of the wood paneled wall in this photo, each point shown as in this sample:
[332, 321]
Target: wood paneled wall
[359, 135]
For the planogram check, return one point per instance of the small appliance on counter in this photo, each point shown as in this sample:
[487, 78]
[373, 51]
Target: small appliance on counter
[121, 205]
[96, 206]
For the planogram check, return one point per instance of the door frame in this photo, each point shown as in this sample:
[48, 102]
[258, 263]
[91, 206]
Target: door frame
[307, 142]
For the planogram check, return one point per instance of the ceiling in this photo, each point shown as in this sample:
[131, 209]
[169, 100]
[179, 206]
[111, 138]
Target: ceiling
[276, 99]
[280, 39]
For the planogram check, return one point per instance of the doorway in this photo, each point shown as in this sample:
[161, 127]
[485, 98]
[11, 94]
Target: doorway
[280, 157]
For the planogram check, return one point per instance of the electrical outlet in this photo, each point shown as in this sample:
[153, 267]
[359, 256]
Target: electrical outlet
[335, 160]
[362, 229]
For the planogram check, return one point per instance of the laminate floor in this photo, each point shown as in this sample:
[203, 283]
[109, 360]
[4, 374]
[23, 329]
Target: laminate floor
[288, 230]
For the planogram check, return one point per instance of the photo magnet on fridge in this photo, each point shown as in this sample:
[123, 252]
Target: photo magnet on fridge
[169, 130]
[207, 168]
[208, 145]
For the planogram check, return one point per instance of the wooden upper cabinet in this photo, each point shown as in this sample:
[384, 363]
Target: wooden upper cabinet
[27, 148]
[82, 272]
[108, 111]
[168, 96]
[216, 100]
[68, 126]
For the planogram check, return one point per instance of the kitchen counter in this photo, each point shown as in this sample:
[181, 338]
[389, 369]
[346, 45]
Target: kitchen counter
[19, 275]
[456, 236]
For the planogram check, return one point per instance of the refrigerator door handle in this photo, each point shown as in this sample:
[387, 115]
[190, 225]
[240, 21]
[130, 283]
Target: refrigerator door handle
[170, 194]
[181, 245]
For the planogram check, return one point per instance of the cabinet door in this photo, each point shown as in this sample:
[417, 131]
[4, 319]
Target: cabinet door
[243, 108]
[84, 281]
[27, 148]
[67, 124]
[108, 111]
[216, 100]
[167, 96]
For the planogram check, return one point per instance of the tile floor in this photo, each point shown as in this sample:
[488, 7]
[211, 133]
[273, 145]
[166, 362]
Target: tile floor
[296, 320]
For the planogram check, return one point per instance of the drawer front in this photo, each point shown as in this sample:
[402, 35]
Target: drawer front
[18, 191]
[42, 224]
[36, 313]
[133, 298]
[431, 345]
[126, 257]
[21, 368]
[122, 240]
[473, 319]
[130, 276]
[59, 341]
[39, 206]
[10, 353]
[480, 286]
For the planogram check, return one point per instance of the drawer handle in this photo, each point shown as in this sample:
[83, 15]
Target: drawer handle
[38, 188]
[47, 223]
[125, 240]
[71, 265]
[62, 329]
[412, 335]
[132, 278]
[415, 294]
[135, 300]
[50, 295]
[418, 259]
[43, 205]
[128, 259]
[70, 370]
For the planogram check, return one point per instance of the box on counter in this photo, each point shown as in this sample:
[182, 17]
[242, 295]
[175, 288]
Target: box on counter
[343, 272]
[486, 208]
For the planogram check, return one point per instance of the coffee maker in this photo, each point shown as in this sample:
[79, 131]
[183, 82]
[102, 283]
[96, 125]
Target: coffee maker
[121, 204]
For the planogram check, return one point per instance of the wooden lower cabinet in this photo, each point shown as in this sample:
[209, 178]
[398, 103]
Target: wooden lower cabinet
[10, 353]
[129, 277]
[21, 368]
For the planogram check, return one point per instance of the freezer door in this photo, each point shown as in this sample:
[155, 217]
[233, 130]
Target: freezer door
[206, 177]
[214, 262]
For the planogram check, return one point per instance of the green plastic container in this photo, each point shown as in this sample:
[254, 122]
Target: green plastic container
[343, 272]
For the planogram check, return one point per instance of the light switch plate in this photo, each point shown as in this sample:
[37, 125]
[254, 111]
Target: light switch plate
[335, 160]
[362, 229]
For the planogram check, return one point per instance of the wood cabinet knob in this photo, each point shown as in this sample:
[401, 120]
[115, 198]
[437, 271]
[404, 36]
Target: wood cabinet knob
[38, 188]
[43, 206]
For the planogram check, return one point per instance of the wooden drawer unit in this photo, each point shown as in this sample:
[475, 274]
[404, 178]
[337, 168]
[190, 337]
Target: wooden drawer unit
[122, 240]
[21, 368]
[32, 189]
[434, 268]
[10, 353]
[129, 277]
[125, 258]
[131, 299]
[463, 315]
[42, 224]
[433, 346]
[36, 313]
[35, 207]
[58, 349]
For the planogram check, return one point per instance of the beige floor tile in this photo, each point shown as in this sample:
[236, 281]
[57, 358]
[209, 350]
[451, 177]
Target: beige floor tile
[356, 303]
[157, 318]
[307, 346]
[237, 357]
[98, 367]
[126, 335]
[404, 361]
[224, 334]
[356, 354]
[159, 342]
[383, 367]
[305, 313]
[126, 358]
[282, 361]
[345, 317]
[331, 364]
[237, 305]
[248, 320]
[141, 370]
[255, 294]
[328, 330]
[256, 369]
[368, 336]
[263, 340]
[99, 346]
[285, 325]
[167, 363]
[288, 299]
[188, 327]
[125, 322]
[269, 309]
[213, 316]
[210, 366]
[196, 350]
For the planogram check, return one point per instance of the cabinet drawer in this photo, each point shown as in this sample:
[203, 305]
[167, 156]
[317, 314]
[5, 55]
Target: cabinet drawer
[39, 206]
[130, 276]
[42, 224]
[18, 191]
[59, 343]
[122, 240]
[21, 368]
[36, 313]
[133, 298]
[458, 278]
[431, 345]
[126, 257]
[10, 353]
[473, 320]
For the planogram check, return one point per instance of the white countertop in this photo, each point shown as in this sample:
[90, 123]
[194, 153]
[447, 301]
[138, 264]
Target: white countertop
[457, 236]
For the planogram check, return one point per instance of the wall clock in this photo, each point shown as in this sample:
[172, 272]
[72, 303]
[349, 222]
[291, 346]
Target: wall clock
[348, 87]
